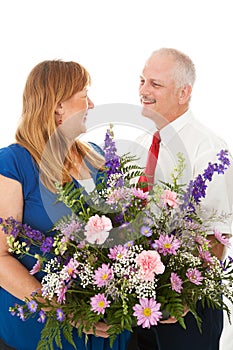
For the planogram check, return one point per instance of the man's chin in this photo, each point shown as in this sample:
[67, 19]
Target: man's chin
[149, 113]
[157, 118]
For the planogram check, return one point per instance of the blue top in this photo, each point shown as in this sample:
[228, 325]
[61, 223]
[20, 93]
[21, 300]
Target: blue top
[40, 212]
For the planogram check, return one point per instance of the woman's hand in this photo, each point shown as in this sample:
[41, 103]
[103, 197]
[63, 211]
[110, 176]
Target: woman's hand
[101, 329]
[173, 319]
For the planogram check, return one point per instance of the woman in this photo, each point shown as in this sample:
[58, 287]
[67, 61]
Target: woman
[55, 106]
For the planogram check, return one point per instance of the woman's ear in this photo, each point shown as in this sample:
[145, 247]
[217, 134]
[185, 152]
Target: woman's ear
[59, 113]
[59, 109]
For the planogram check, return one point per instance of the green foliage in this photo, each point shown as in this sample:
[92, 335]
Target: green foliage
[51, 334]
[129, 168]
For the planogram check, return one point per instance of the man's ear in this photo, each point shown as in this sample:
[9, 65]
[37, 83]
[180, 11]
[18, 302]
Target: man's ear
[185, 94]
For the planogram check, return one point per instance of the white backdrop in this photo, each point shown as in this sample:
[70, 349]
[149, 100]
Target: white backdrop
[112, 39]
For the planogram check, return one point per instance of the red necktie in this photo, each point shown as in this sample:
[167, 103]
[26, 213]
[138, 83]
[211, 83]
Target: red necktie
[151, 163]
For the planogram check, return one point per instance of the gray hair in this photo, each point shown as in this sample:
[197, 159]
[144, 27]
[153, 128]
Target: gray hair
[184, 70]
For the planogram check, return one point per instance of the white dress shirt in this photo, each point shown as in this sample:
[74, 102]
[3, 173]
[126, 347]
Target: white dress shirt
[199, 145]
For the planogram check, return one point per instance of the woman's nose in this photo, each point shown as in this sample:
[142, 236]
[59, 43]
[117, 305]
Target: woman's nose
[90, 104]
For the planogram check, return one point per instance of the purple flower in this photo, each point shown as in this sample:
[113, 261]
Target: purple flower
[21, 313]
[31, 233]
[129, 244]
[32, 306]
[13, 309]
[42, 317]
[60, 315]
[176, 282]
[146, 231]
[208, 173]
[147, 312]
[99, 303]
[223, 158]
[194, 276]
[196, 189]
[47, 244]
[112, 160]
[69, 229]
[148, 221]
[199, 189]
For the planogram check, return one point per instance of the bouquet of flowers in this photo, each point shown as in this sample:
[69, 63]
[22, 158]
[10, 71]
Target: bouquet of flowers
[124, 256]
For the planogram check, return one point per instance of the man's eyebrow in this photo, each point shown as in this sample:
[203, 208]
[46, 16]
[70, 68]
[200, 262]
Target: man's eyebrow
[153, 79]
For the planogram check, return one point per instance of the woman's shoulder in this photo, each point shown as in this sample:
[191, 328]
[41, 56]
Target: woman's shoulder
[14, 150]
[96, 147]
[15, 161]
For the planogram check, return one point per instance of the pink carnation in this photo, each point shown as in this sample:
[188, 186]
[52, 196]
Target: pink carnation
[170, 198]
[97, 229]
[150, 264]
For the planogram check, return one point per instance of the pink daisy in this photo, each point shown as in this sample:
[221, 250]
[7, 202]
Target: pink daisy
[117, 252]
[147, 312]
[99, 303]
[102, 275]
[176, 282]
[205, 255]
[167, 244]
[194, 276]
[71, 269]
[62, 294]
[35, 268]
[222, 239]
[138, 193]
[202, 240]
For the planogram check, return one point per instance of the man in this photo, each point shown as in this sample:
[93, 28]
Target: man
[165, 91]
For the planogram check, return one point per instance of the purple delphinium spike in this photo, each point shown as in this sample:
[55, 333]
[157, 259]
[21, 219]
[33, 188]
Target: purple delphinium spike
[196, 189]
[112, 160]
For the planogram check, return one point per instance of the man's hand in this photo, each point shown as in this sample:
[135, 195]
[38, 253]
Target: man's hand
[173, 319]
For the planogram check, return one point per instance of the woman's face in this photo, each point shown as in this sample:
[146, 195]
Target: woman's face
[72, 114]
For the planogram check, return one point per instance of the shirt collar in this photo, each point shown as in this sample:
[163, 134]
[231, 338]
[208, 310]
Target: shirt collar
[170, 130]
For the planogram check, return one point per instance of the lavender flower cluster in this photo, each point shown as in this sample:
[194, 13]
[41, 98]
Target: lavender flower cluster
[196, 190]
[112, 161]
[13, 228]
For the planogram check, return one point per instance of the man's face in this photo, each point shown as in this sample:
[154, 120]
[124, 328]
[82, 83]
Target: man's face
[158, 93]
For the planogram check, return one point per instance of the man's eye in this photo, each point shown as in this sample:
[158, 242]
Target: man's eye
[155, 84]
